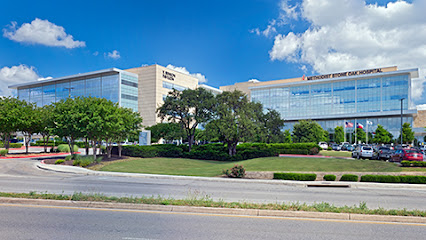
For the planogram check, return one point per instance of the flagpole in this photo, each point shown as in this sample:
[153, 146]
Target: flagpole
[367, 133]
[344, 130]
[355, 125]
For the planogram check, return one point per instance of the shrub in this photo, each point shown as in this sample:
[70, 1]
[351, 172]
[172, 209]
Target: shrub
[66, 148]
[296, 176]
[330, 149]
[349, 178]
[3, 152]
[15, 145]
[237, 171]
[380, 178]
[413, 179]
[313, 151]
[59, 161]
[84, 161]
[413, 164]
[72, 157]
[330, 177]
[50, 143]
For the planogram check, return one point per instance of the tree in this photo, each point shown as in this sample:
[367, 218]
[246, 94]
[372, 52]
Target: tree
[235, 119]
[270, 126]
[68, 117]
[382, 135]
[189, 108]
[407, 133]
[307, 131]
[339, 134]
[360, 135]
[166, 131]
[30, 122]
[10, 118]
[46, 124]
[130, 126]
[287, 136]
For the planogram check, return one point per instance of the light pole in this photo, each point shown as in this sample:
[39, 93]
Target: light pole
[69, 91]
[402, 99]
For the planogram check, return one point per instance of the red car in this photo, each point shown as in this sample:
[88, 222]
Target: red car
[407, 155]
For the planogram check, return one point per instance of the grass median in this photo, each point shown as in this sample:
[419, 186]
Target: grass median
[192, 167]
[200, 200]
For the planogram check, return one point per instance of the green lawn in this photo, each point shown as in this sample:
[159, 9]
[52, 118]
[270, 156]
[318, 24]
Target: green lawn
[191, 167]
[336, 153]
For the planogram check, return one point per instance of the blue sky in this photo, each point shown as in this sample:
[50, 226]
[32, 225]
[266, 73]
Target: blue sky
[226, 41]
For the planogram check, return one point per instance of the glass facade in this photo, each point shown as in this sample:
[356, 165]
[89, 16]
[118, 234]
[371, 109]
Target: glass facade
[173, 86]
[106, 86]
[340, 99]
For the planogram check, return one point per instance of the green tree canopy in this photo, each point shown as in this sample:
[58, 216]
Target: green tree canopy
[339, 134]
[270, 126]
[308, 131]
[360, 135]
[166, 131]
[10, 117]
[236, 119]
[382, 135]
[407, 134]
[189, 108]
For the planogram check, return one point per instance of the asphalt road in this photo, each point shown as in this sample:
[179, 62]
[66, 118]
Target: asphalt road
[42, 222]
[22, 176]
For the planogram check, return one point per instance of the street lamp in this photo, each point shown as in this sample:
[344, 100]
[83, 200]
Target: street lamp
[402, 99]
[69, 91]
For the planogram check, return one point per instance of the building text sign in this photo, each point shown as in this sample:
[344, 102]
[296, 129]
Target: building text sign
[345, 74]
[169, 75]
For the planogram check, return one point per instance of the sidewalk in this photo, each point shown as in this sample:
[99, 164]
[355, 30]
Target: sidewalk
[358, 185]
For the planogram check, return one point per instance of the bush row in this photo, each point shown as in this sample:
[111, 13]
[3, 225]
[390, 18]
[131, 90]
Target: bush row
[394, 179]
[66, 148]
[219, 151]
[49, 143]
[296, 176]
[413, 164]
[12, 145]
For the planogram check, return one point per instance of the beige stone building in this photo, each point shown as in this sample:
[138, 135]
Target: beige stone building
[154, 83]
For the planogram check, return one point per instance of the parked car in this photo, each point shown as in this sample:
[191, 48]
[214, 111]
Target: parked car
[406, 155]
[423, 148]
[382, 153]
[350, 148]
[323, 145]
[336, 147]
[362, 152]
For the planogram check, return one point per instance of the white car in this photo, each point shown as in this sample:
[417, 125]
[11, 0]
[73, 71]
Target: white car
[323, 145]
[423, 148]
[363, 152]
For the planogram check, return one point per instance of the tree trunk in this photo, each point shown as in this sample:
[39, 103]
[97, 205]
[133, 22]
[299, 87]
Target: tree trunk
[87, 147]
[232, 148]
[119, 150]
[45, 141]
[190, 141]
[94, 149]
[71, 145]
[6, 141]
[27, 143]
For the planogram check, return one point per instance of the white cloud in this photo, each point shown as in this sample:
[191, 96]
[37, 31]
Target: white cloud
[96, 53]
[42, 78]
[41, 32]
[269, 30]
[201, 78]
[421, 107]
[348, 35]
[114, 54]
[15, 75]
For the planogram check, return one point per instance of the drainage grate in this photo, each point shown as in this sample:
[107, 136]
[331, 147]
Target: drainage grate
[329, 185]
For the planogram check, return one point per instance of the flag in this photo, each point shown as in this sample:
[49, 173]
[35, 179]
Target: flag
[359, 125]
[369, 123]
[303, 78]
[349, 125]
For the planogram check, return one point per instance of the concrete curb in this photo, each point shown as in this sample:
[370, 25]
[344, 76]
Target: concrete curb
[211, 210]
[358, 185]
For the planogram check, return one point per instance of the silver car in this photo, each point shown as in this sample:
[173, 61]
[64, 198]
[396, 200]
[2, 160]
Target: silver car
[363, 152]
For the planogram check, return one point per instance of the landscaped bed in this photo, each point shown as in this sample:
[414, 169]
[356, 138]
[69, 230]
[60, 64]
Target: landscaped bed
[206, 168]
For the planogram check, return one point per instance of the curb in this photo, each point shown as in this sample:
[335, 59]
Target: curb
[357, 185]
[40, 155]
[211, 210]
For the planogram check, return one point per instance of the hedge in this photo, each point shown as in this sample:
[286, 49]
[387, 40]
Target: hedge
[219, 151]
[50, 143]
[12, 145]
[296, 176]
[330, 177]
[413, 164]
[349, 178]
[394, 179]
